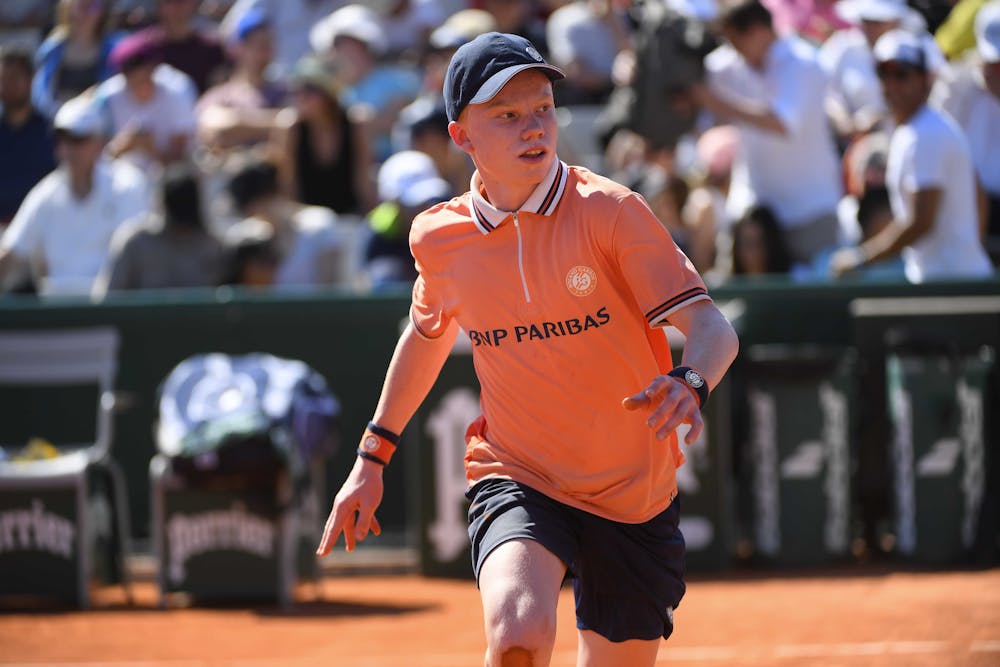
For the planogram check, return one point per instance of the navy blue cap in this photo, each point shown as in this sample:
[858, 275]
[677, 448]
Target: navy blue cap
[480, 68]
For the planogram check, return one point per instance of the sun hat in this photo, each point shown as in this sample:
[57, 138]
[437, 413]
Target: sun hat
[900, 46]
[410, 178]
[80, 117]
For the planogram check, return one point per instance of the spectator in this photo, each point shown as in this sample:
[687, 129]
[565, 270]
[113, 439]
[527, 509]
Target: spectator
[75, 55]
[584, 38]
[27, 151]
[864, 212]
[252, 259]
[875, 215]
[64, 227]
[291, 20]
[167, 248]
[428, 134]
[969, 91]
[242, 111]
[653, 95]
[812, 20]
[186, 47]
[408, 25]
[152, 120]
[310, 249]
[929, 176]
[460, 28]
[519, 17]
[759, 245]
[704, 213]
[408, 183]
[323, 155]
[353, 38]
[666, 193]
[769, 87]
[956, 35]
[854, 99]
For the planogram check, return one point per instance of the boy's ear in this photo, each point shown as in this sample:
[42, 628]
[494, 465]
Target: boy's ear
[459, 136]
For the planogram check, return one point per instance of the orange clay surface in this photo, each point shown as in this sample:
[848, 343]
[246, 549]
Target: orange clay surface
[848, 617]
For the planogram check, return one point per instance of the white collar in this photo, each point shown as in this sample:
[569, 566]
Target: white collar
[543, 200]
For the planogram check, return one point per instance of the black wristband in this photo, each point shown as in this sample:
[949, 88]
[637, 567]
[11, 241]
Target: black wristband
[370, 457]
[383, 433]
[693, 379]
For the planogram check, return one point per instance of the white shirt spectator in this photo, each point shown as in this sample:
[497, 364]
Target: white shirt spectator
[797, 174]
[929, 152]
[961, 92]
[847, 59]
[169, 113]
[291, 21]
[68, 239]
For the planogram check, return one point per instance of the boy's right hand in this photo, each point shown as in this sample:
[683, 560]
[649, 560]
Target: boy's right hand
[353, 511]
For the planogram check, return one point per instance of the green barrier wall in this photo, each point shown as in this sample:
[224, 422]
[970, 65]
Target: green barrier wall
[349, 339]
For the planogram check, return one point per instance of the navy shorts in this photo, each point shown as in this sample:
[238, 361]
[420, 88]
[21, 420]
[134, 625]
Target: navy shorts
[627, 578]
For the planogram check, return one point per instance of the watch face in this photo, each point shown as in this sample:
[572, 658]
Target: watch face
[694, 379]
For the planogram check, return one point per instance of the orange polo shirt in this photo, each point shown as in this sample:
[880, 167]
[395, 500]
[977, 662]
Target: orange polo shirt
[562, 301]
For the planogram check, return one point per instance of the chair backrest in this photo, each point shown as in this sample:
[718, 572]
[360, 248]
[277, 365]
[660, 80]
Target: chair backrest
[64, 357]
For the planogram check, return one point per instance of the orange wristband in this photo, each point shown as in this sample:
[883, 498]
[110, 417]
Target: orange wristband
[377, 444]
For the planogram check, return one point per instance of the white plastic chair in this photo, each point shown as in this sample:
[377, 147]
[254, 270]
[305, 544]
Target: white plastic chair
[59, 358]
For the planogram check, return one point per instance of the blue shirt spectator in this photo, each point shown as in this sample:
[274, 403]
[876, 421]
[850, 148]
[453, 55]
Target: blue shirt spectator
[75, 54]
[27, 149]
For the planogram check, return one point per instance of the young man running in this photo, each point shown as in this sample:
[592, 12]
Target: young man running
[561, 278]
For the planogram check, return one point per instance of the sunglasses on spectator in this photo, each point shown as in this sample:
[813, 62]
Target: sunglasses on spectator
[71, 138]
[893, 71]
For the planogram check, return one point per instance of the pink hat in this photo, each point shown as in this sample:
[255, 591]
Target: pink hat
[142, 46]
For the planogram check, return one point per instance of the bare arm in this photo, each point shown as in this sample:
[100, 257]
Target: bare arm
[762, 117]
[284, 139]
[891, 240]
[412, 372]
[223, 127]
[710, 348]
[982, 208]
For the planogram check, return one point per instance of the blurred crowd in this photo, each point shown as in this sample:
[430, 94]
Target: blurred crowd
[288, 144]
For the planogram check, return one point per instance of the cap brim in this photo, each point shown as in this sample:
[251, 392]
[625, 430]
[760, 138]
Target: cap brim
[492, 86]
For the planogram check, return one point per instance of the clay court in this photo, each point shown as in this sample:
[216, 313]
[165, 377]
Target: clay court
[852, 617]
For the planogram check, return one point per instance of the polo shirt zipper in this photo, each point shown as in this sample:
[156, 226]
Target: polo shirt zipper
[520, 259]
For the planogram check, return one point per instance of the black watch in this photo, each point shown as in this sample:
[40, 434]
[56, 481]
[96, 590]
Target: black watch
[695, 380]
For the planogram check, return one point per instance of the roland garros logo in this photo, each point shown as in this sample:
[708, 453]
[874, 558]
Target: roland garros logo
[581, 280]
[370, 443]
